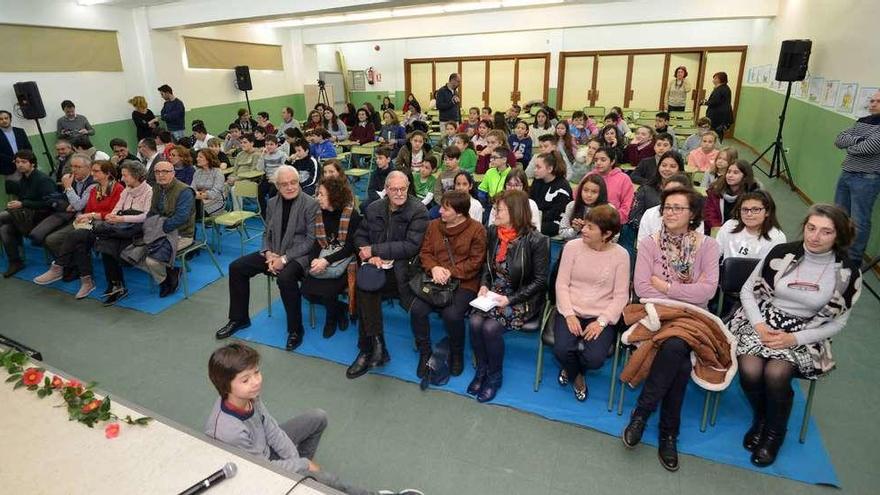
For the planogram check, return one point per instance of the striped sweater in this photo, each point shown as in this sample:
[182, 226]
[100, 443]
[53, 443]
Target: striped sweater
[862, 145]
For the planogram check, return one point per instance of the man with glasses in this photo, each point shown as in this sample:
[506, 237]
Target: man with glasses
[286, 253]
[388, 238]
[859, 183]
[175, 202]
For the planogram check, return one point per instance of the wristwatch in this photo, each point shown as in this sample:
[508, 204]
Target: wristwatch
[602, 323]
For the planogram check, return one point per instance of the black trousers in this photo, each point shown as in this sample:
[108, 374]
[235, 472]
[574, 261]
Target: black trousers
[265, 191]
[242, 270]
[666, 384]
[577, 355]
[453, 320]
[113, 269]
[76, 251]
[369, 307]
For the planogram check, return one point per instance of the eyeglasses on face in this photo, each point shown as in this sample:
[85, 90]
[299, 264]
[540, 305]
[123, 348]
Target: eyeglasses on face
[396, 190]
[751, 211]
[673, 209]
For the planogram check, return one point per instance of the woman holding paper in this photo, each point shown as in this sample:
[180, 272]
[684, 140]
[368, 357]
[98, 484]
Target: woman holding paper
[592, 288]
[514, 281]
[452, 253]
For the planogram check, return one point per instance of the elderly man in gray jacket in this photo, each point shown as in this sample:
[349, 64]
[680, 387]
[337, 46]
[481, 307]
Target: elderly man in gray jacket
[286, 252]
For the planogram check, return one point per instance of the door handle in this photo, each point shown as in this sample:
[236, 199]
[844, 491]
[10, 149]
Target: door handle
[631, 92]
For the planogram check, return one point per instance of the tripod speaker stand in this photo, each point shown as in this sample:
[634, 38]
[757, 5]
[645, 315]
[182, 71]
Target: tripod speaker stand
[779, 162]
[867, 268]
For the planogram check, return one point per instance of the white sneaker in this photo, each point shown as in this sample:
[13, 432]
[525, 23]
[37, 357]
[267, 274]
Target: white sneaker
[86, 286]
[54, 274]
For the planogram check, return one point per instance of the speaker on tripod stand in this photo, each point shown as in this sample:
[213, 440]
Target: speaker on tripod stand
[243, 82]
[794, 56]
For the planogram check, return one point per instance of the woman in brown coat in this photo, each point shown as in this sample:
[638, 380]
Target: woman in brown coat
[465, 238]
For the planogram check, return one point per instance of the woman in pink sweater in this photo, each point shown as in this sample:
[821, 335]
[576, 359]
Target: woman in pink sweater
[592, 288]
[704, 156]
[678, 263]
[620, 188]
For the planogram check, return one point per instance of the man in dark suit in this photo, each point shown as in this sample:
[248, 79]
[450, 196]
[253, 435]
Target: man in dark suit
[12, 140]
[286, 253]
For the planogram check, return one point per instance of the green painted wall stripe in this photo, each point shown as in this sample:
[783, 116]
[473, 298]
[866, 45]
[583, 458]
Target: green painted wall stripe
[809, 135]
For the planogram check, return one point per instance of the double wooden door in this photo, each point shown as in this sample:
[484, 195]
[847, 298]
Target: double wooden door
[639, 78]
[495, 81]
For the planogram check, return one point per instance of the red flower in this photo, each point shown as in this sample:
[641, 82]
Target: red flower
[91, 406]
[32, 376]
[111, 430]
[76, 385]
[57, 382]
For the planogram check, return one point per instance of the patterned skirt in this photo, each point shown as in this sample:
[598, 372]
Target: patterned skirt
[811, 360]
[512, 316]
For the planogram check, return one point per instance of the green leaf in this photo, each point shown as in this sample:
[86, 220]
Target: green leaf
[47, 382]
[143, 421]
[14, 377]
[105, 406]
[41, 393]
[32, 387]
[18, 385]
[19, 358]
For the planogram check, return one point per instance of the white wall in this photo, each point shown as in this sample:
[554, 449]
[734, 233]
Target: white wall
[389, 60]
[101, 96]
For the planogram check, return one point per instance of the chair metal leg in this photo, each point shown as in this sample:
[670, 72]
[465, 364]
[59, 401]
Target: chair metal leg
[705, 415]
[715, 408]
[613, 385]
[183, 274]
[805, 423]
[622, 386]
[242, 233]
[269, 294]
[312, 317]
[539, 363]
[214, 260]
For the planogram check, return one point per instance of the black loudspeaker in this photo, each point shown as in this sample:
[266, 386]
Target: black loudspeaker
[793, 58]
[29, 100]
[243, 77]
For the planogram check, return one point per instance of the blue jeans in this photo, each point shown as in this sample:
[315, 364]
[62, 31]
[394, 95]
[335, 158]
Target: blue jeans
[856, 193]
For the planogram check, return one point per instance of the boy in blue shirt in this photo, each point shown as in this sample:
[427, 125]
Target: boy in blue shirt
[240, 419]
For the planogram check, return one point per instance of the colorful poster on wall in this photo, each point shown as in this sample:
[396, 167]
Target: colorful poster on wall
[765, 74]
[846, 96]
[861, 104]
[817, 85]
[829, 93]
[804, 88]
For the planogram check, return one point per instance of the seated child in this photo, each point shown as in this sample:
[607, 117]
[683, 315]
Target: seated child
[703, 157]
[423, 180]
[582, 128]
[240, 419]
[693, 141]
[320, 145]
[521, 143]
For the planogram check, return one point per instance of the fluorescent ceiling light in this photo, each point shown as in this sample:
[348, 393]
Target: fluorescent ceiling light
[284, 24]
[367, 16]
[417, 11]
[325, 19]
[86, 3]
[523, 3]
[469, 6]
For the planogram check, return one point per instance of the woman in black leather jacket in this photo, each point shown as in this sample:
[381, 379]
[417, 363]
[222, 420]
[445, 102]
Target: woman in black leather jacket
[517, 262]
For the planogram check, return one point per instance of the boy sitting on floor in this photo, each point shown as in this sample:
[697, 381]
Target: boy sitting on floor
[240, 419]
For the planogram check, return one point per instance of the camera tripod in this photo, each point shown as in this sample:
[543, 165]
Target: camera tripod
[867, 268]
[322, 93]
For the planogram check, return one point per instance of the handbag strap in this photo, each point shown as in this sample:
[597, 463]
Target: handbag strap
[449, 250]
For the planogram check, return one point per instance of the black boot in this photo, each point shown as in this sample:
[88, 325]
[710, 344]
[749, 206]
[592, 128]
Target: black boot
[759, 408]
[778, 412]
[360, 366]
[667, 452]
[330, 322]
[632, 435]
[422, 368]
[379, 356]
[477, 383]
[456, 362]
[491, 386]
[294, 339]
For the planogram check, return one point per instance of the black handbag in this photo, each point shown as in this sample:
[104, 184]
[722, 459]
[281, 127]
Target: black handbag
[437, 295]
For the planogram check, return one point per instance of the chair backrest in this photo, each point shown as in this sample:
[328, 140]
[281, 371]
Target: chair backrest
[735, 271]
[245, 189]
[595, 112]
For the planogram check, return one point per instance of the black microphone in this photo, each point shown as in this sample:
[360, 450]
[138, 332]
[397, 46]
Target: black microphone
[228, 471]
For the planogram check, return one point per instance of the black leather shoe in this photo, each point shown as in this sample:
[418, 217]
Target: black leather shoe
[456, 362]
[360, 366]
[422, 368]
[379, 356]
[753, 437]
[294, 339]
[169, 285]
[667, 452]
[477, 383]
[329, 327]
[230, 328]
[632, 435]
[117, 294]
[491, 386]
[14, 267]
[767, 449]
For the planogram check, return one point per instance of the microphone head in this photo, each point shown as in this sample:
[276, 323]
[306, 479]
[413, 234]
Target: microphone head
[230, 469]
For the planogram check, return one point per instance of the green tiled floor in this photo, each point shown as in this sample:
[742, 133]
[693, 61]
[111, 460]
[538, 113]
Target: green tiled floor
[386, 433]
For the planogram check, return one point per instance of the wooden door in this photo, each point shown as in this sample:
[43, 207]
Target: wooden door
[501, 87]
[646, 81]
[530, 80]
[577, 82]
[610, 80]
[691, 62]
[421, 81]
[473, 84]
[729, 62]
[442, 70]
